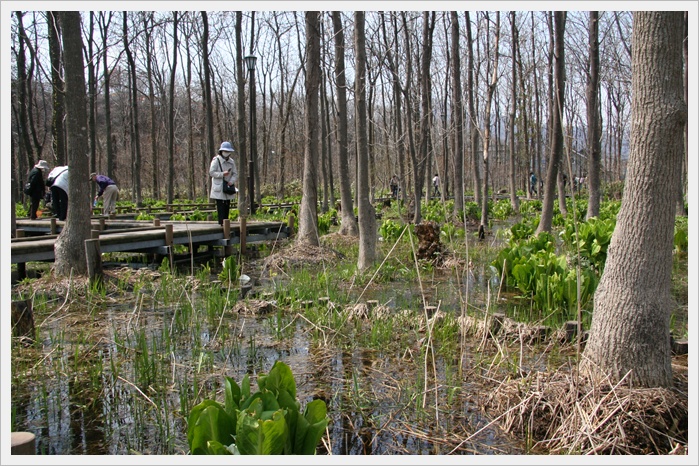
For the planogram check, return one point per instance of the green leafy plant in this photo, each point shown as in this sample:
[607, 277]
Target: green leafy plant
[229, 273]
[390, 230]
[267, 422]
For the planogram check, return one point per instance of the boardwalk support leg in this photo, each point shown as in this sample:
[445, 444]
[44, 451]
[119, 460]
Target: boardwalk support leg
[94, 262]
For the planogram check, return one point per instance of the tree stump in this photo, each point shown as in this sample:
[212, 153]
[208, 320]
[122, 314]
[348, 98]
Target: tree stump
[430, 246]
[23, 320]
[23, 443]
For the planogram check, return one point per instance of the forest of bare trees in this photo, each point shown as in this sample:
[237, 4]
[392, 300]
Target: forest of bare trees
[472, 96]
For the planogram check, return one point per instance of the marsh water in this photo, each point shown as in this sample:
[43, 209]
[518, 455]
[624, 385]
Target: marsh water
[119, 375]
[116, 372]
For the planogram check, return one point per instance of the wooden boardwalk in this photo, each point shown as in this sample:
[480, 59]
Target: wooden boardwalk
[37, 237]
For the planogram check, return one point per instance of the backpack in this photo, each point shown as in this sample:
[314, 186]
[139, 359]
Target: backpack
[27, 188]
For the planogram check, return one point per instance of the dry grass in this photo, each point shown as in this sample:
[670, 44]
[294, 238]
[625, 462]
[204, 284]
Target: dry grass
[565, 415]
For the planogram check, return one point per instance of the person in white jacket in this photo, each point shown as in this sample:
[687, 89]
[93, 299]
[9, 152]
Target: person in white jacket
[223, 171]
[59, 191]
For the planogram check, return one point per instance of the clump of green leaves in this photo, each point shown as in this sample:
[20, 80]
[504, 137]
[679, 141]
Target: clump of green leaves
[390, 230]
[229, 272]
[267, 422]
[592, 240]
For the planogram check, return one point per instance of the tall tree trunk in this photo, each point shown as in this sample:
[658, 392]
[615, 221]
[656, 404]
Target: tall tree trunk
[23, 84]
[69, 247]
[486, 124]
[208, 103]
[92, 93]
[593, 120]
[473, 118]
[58, 115]
[171, 114]
[557, 125]
[348, 225]
[458, 117]
[630, 332]
[682, 185]
[367, 215]
[104, 29]
[514, 199]
[308, 214]
[244, 196]
[136, 174]
[147, 30]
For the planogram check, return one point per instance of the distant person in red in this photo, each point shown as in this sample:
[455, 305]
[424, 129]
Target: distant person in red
[109, 190]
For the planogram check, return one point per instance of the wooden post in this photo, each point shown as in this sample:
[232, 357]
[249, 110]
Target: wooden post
[291, 224]
[102, 223]
[243, 235]
[23, 443]
[95, 234]
[53, 226]
[228, 249]
[21, 266]
[169, 234]
[156, 222]
[93, 256]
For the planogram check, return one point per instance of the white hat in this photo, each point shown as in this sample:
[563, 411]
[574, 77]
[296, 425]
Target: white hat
[42, 164]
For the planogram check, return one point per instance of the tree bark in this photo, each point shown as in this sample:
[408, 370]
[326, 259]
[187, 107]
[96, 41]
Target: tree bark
[514, 199]
[308, 213]
[486, 125]
[630, 332]
[171, 114]
[69, 247]
[367, 215]
[348, 225]
[557, 128]
[458, 115]
[473, 118]
[593, 121]
[58, 115]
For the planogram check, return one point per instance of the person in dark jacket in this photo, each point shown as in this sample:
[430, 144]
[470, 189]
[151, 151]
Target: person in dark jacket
[37, 189]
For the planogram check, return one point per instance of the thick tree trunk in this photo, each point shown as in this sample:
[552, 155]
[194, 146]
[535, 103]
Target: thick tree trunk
[367, 215]
[630, 330]
[308, 213]
[69, 248]
[348, 225]
[557, 128]
[514, 199]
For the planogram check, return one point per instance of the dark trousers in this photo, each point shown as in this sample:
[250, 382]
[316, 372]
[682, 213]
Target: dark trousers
[223, 208]
[59, 199]
[33, 207]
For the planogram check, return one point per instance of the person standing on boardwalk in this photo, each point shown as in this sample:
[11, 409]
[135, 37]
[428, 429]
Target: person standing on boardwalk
[394, 186]
[435, 185]
[58, 179]
[109, 190]
[223, 172]
[36, 186]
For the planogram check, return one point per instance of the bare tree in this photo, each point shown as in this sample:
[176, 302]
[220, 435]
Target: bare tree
[514, 199]
[367, 215]
[104, 21]
[69, 246]
[458, 113]
[348, 225]
[58, 115]
[629, 337]
[557, 125]
[171, 113]
[308, 213]
[135, 126]
[486, 125]
[208, 103]
[594, 152]
[473, 119]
